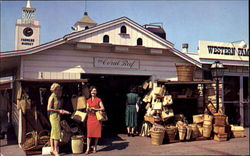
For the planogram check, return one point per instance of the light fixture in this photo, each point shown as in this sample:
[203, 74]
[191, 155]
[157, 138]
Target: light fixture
[217, 70]
[241, 43]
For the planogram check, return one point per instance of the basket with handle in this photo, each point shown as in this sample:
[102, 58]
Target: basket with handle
[31, 142]
[43, 137]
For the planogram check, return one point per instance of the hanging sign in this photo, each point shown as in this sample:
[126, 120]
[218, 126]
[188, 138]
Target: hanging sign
[223, 50]
[116, 63]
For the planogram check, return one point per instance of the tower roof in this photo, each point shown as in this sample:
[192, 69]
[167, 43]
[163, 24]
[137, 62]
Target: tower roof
[86, 19]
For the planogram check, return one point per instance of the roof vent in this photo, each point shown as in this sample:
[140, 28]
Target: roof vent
[185, 48]
[156, 28]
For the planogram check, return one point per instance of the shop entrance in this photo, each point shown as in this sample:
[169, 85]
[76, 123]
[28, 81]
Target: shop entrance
[232, 99]
[112, 89]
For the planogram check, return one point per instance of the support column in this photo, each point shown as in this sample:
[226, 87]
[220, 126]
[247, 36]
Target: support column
[241, 102]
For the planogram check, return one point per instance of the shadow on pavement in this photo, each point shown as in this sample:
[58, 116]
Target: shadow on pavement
[116, 146]
[110, 145]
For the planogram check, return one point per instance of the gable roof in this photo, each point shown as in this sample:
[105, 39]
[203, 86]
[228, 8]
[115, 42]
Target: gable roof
[78, 34]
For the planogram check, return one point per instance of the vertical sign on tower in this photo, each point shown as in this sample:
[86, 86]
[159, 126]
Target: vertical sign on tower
[27, 29]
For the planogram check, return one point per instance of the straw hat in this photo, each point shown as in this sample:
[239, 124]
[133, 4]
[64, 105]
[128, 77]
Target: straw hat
[54, 86]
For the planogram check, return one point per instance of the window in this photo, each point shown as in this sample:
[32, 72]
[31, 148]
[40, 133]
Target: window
[105, 39]
[123, 29]
[139, 41]
[86, 27]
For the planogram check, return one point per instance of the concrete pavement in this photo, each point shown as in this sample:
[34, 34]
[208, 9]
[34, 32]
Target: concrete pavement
[123, 145]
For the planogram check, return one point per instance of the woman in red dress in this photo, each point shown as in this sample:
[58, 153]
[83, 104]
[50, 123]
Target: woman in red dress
[94, 126]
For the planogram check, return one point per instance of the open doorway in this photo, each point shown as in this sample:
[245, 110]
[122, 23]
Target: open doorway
[112, 89]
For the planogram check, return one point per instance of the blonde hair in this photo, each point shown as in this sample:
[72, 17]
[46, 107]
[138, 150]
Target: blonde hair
[54, 86]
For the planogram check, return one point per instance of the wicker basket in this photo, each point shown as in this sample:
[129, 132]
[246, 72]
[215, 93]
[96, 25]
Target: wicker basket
[195, 131]
[157, 137]
[31, 142]
[43, 137]
[185, 72]
[198, 118]
[77, 144]
[171, 132]
[211, 108]
[189, 132]
[65, 126]
[221, 137]
[207, 130]
[149, 118]
[220, 119]
[208, 119]
[182, 132]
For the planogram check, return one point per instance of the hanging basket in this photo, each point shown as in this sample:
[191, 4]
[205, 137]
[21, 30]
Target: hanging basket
[185, 72]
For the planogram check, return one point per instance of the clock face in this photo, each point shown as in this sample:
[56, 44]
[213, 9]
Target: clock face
[28, 31]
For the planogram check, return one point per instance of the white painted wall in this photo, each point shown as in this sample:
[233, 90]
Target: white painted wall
[116, 38]
[79, 61]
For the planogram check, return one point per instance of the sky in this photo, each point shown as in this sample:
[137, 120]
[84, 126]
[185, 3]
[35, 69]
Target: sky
[184, 21]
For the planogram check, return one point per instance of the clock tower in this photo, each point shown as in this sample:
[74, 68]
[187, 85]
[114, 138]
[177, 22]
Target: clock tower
[27, 29]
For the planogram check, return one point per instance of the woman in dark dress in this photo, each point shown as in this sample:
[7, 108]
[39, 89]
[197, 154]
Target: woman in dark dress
[131, 114]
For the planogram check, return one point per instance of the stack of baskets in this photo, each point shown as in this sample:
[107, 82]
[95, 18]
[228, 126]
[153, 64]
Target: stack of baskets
[197, 125]
[207, 125]
[221, 130]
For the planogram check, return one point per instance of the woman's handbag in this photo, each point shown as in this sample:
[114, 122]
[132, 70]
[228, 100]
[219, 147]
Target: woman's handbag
[79, 116]
[101, 116]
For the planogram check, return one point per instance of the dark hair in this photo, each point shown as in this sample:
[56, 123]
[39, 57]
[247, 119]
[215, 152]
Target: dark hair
[91, 88]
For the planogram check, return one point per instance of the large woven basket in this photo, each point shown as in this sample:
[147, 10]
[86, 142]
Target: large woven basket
[185, 72]
[171, 132]
[43, 137]
[157, 137]
[77, 144]
[31, 142]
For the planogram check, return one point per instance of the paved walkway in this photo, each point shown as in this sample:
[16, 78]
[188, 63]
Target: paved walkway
[123, 145]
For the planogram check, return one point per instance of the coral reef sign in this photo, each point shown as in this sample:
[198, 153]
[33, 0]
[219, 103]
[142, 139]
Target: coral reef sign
[108, 62]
